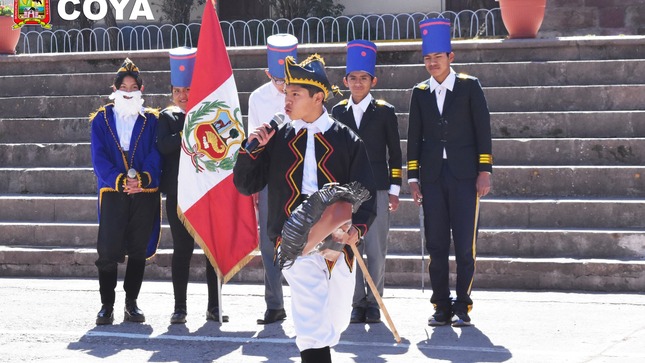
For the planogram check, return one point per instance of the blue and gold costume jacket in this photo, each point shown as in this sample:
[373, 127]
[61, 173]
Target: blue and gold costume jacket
[111, 163]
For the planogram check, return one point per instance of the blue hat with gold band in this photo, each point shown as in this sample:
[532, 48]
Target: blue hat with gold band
[279, 47]
[182, 64]
[361, 56]
[435, 33]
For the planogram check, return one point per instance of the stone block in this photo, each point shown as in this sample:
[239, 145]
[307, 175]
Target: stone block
[611, 17]
[566, 19]
[636, 18]
[611, 3]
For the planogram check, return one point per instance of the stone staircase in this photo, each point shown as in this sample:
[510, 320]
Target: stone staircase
[567, 210]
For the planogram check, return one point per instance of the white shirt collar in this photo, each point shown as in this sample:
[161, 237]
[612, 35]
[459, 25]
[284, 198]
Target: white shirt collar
[448, 83]
[176, 109]
[363, 104]
[322, 123]
[274, 91]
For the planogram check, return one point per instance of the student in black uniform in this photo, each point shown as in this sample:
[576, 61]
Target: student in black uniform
[449, 166]
[171, 125]
[376, 123]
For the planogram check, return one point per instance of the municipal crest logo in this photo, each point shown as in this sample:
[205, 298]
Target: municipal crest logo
[210, 134]
[31, 12]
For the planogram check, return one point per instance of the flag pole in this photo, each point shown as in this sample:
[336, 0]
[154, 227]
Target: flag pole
[219, 298]
[423, 236]
[379, 300]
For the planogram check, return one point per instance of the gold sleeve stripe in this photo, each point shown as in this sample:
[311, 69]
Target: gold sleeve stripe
[119, 177]
[396, 173]
[413, 165]
[149, 178]
[485, 158]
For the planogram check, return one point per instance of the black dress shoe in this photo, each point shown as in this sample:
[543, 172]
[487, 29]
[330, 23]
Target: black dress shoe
[358, 315]
[132, 313]
[372, 315]
[178, 317]
[272, 315]
[105, 316]
[213, 314]
[461, 319]
[440, 317]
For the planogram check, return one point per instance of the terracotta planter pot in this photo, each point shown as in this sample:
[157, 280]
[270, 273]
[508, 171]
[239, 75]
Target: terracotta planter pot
[522, 18]
[9, 38]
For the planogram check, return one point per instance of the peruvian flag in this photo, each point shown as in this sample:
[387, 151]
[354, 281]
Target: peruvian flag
[221, 220]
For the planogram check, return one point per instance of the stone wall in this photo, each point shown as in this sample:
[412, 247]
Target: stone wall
[593, 17]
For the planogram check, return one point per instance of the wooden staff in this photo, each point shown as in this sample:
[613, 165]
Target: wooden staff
[370, 282]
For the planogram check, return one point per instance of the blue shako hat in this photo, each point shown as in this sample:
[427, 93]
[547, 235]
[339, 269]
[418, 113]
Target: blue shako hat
[182, 64]
[279, 47]
[435, 33]
[361, 56]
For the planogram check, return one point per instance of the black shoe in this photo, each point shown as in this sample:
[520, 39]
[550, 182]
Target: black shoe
[441, 317]
[372, 315]
[178, 317]
[461, 319]
[105, 316]
[272, 315]
[132, 313]
[358, 315]
[213, 314]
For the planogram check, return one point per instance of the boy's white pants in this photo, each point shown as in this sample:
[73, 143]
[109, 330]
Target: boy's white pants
[320, 306]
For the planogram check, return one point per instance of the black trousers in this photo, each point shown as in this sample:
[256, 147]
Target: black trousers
[449, 204]
[183, 246]
[125, 225]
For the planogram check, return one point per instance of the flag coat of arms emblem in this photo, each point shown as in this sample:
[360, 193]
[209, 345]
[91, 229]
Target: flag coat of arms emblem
[222, 221]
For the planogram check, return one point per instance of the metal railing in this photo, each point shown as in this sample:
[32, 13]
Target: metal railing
[466, 24]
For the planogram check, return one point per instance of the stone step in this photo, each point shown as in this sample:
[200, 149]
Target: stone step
[589, 124]
[44, 129]
[401, 270]
[561, 151]
[508, 242]
[390, 52]
[508, 181]
[570, 151]
[495, 213]
[544, 213]
[402, 76]
[582, 124]
[532, 274]
[46, 155]
[500, 99]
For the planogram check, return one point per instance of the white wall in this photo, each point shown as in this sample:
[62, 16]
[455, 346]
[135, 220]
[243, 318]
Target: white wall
[353, 7]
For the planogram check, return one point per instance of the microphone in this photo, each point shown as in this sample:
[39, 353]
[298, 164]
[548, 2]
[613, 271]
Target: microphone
[132, 173]
[275, 122]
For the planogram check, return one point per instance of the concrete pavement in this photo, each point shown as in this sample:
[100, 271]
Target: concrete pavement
[52, 320]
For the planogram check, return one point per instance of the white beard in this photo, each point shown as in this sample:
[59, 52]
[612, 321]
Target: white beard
[127, 106]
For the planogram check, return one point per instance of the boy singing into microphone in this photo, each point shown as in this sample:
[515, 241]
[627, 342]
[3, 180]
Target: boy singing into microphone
[296, 161]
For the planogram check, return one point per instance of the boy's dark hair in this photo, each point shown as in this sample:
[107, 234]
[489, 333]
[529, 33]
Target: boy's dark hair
[119, 80]
[312, 90]
[371, 76]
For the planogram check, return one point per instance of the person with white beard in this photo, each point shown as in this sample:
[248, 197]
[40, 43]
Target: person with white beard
[128, 168]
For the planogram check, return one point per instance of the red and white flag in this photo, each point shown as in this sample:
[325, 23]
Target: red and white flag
[221, 220]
